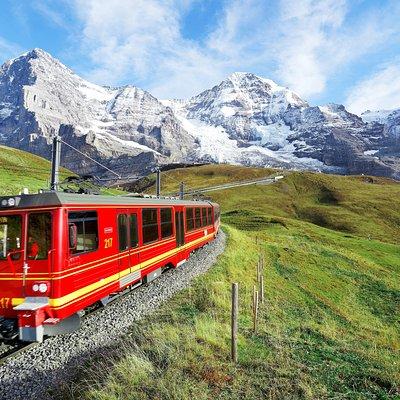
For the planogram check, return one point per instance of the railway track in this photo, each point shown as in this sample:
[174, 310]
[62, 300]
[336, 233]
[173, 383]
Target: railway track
[37, 373]
[8, 351]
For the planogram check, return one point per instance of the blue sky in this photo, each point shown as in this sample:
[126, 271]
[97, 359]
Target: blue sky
[326, 50]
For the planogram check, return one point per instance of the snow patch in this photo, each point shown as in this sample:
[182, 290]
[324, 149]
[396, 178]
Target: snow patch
[228, 111]
[216, 144]
[273, 134]
[370, 152]
[214, 141]
[95, 92]
[327, 111]
[5, 112]
[376, 116]
[135, 145]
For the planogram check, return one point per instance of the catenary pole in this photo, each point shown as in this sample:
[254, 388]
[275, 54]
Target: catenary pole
[55, 164]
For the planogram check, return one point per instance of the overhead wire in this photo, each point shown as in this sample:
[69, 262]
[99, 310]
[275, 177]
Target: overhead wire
[171, 177]
[168, 176]
[46, 170]
[90, 158]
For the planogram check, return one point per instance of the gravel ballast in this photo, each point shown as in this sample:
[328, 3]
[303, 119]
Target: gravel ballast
[33, 373]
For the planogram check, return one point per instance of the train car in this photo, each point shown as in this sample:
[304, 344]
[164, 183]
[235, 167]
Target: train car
[60, 253]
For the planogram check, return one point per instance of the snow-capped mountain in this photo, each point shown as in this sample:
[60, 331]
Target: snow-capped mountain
[240, 121]
[389, 118]
[122, 126]
[379, 116]
[245, 119]
[252, 120]
[388, 150]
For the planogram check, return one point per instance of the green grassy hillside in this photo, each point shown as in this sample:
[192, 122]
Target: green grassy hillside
[359, 205]
[329, 327]
[20, 169]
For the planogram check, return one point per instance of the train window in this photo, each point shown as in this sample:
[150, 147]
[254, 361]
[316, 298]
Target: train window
[39, 236]
[209, 215]
[204, 217]
[10, 236]
[123, 232]
[197, 218]
[166, 222]
[86, 231]
[189, 219]
[216, 214]
[149, 225]
[134, 230]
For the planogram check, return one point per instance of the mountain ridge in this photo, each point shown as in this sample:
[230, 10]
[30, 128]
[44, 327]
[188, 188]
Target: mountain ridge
[245, 119]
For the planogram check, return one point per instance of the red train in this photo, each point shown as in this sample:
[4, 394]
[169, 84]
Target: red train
[61, 253]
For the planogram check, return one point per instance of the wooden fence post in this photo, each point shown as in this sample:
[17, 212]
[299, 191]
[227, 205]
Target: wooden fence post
[262, 264]
[234, 322]
[262, 289]
[255, 308]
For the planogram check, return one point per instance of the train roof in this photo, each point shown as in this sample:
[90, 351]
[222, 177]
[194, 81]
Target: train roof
[58, 199]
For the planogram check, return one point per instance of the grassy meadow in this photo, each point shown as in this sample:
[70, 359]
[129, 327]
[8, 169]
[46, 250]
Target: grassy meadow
[329, 327]
[20, 169]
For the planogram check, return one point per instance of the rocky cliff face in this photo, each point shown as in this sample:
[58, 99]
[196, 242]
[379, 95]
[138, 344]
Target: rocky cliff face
[245, 119]
[38, 95]
[387, 149]
[252, 120]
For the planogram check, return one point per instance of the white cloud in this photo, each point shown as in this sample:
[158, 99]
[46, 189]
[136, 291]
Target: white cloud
[316, 40]
[48, 9]
[8, 49]
[302, 44]
[136, 38]
[239, 30]
[380, 91]
[233, 45]
[306, 31]
[140, 41]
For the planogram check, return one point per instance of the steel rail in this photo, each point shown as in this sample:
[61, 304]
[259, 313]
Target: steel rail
[15, 350]
[21, 347]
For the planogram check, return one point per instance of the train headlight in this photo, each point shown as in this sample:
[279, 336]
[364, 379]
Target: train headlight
[43, 288]
[10, 202]
[40, 288]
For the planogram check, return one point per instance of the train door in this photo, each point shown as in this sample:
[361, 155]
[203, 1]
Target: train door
[39, 253]
[133, 241]
[12, 233]
[123, 242]
[179, 228]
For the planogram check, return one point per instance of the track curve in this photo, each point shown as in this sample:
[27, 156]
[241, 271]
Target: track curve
[37, 370]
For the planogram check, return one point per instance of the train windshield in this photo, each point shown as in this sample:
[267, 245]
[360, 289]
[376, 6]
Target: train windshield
[39, 236]
[10, 236]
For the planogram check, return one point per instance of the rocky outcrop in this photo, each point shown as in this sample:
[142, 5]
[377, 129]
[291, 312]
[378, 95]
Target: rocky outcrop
[124, 127]
[256, 121]
[245, 119]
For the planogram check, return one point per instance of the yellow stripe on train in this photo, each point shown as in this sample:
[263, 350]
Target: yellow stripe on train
[80, 293]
